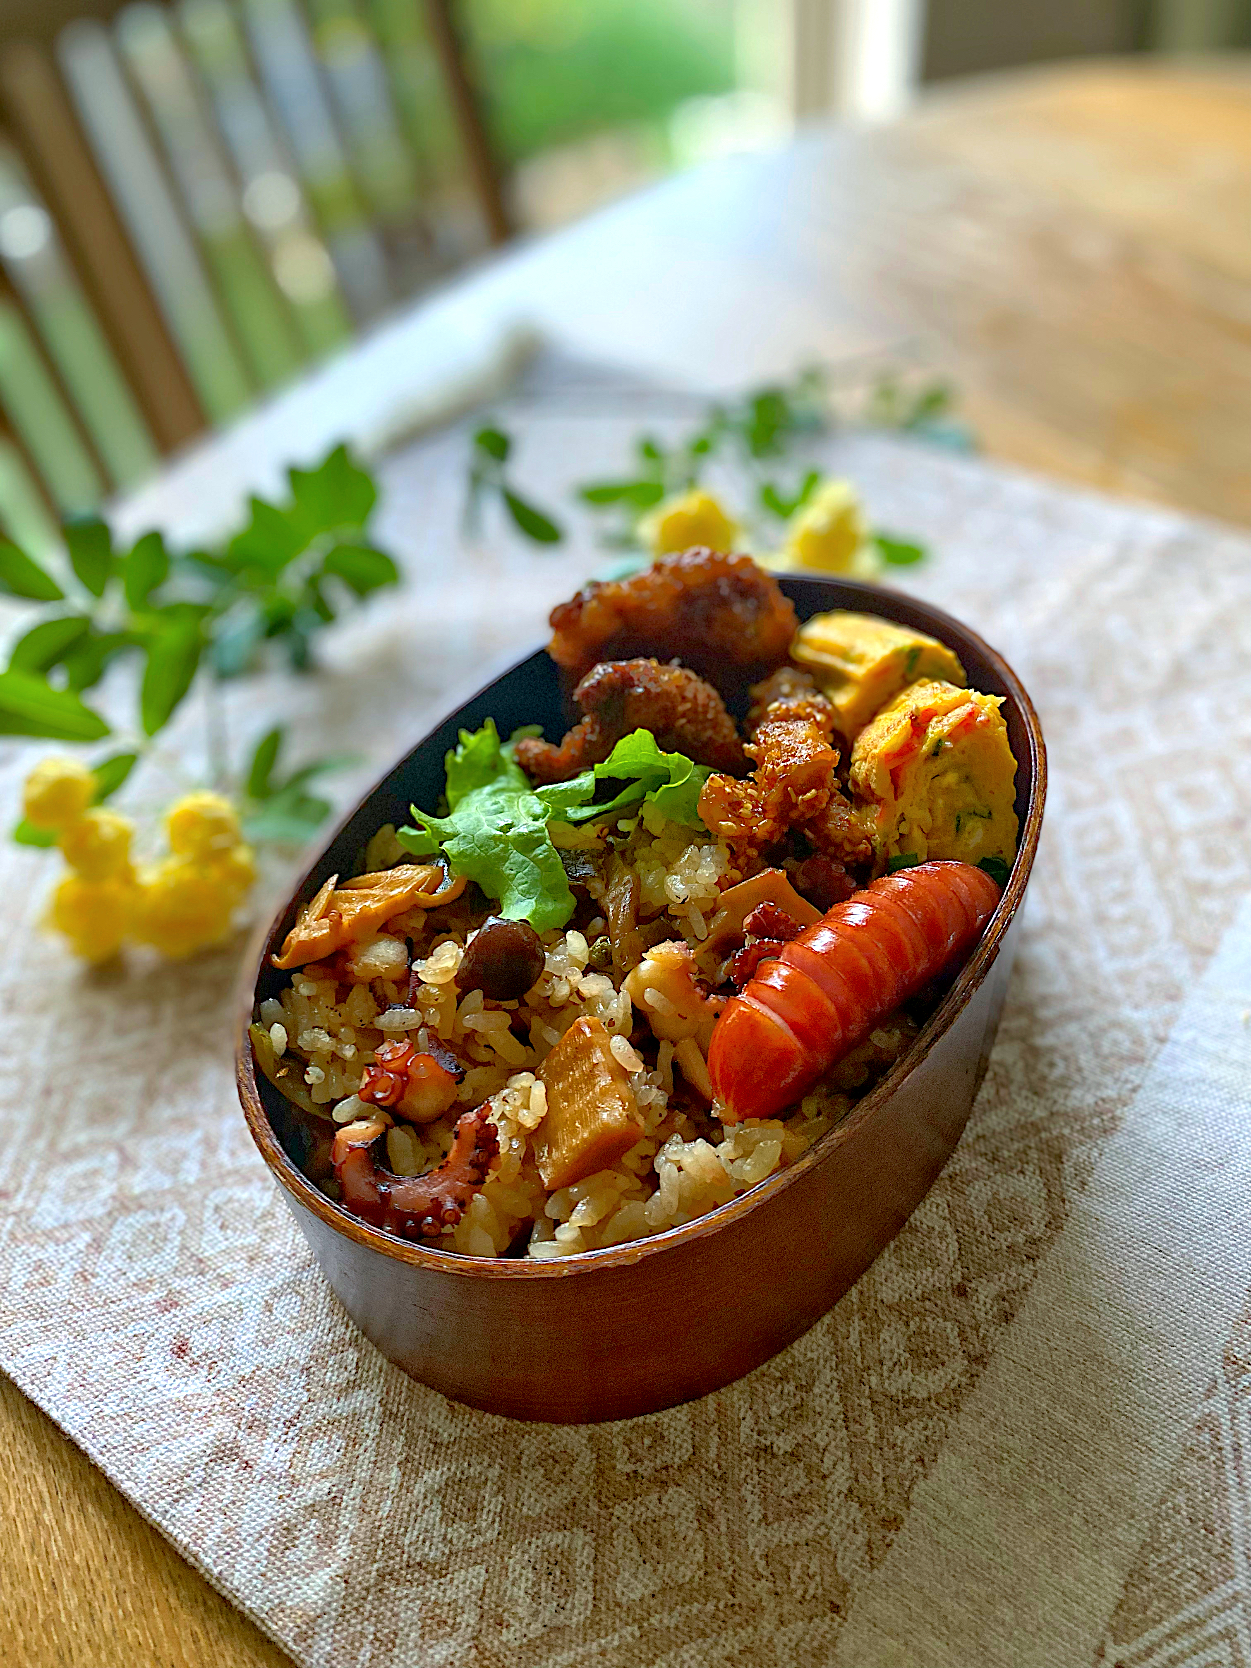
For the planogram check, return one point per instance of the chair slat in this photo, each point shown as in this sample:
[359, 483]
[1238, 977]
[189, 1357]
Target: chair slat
[25, 516]
[457, 224]
[233, 184]
[358, 87]
[289, 73]
[448, 48]
[273, 196]
[44, 282]
[210, 195]
[97, 245]
[157, 230]
[381, 156]
[41, 419]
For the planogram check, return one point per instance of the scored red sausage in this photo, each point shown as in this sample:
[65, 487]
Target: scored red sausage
[828, 988]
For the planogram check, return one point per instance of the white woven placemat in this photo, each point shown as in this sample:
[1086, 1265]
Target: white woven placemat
[1018, 1440]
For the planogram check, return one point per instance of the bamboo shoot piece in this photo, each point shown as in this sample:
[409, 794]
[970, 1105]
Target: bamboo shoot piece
[592, 1119]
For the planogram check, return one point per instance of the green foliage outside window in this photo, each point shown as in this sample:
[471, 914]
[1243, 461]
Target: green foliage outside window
[556, 71]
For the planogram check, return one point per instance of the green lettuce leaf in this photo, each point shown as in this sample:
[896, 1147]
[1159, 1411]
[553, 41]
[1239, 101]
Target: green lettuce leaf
[496, 828]
[495, 833]
[669, 780]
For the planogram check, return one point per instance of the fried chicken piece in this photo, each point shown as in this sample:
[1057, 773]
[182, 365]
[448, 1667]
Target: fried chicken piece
[788, 683]
[685, 714]
[722, 616]
[793, 754]
[836, 832]
[793, 786]
[822, 880]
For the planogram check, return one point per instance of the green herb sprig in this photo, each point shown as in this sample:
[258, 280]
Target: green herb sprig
[764, 428]
[295, 567]
[488, 478]
[280, 809]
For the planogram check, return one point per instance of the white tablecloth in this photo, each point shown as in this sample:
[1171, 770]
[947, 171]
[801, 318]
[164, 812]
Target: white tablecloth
[1018, 1440]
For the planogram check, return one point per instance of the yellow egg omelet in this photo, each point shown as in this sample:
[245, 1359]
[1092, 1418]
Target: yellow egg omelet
[861, 662]
[933, 776]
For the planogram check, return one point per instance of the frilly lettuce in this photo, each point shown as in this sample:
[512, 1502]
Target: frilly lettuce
[670, 781]
[496, 828]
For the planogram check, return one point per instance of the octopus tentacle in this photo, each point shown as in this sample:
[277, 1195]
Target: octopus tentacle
[415, 1207]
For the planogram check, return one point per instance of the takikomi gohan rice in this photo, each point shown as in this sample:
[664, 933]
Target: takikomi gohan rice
[619, 978]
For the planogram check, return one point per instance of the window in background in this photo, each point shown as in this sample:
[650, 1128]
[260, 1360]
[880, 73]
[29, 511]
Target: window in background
[589, 98]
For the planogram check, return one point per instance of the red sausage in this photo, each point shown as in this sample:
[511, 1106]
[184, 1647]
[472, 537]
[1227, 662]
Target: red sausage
[828, 988]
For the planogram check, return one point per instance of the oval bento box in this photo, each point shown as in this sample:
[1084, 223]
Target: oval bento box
[614, 1333]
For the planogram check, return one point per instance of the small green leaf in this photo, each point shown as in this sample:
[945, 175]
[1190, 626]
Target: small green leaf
[110, 773]
[29, 706]
[299, 633]
[361, 568]
[998, 870]
[145, 567]
[932, 401]
[20, 577]
[810, 483]
[317, 602]
[290, 818]
[277, 612]
[776, 501]
[900, 553]
[218, 565]
[607, 492]
[27, 834]
[905, 860]
[336, 495]
[533, 523]
[86, 662]
[236, 636]
[173, 656]
[90, 546]
[769, 418]
[271, 539]
[320, 767]
[44, 645]
[261, 769]
[640, 495]
[494, 443]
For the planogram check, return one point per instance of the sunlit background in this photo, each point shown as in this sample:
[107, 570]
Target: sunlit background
[199, 199]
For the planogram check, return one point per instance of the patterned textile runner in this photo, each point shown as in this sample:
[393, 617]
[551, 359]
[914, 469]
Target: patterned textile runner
[1018, 1439]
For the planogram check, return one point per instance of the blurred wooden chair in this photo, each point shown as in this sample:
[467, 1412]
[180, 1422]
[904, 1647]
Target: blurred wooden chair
[197, 198]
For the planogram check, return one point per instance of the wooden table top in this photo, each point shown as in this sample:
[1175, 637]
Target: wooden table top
[1071, 246]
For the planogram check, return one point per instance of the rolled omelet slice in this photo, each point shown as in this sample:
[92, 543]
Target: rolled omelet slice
[861, 662]
[933, 776]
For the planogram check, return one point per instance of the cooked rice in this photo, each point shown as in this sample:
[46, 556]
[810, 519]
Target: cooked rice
[674, 1173]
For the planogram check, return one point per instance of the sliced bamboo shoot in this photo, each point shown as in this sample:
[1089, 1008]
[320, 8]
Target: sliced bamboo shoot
[592, 1119]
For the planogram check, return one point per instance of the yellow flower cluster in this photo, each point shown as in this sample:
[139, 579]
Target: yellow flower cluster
[685, 519]
[828, 534]
[180, 904]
